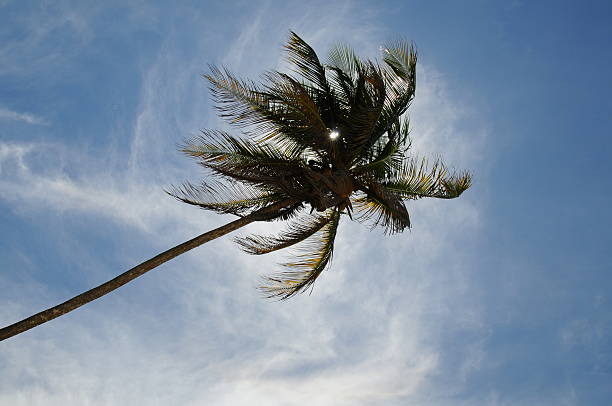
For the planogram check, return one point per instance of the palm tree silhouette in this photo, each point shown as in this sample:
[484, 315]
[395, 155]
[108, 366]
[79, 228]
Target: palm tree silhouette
[329, 137]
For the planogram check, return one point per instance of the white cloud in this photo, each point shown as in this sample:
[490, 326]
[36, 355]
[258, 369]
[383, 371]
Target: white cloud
[25, 117]
[143, 206]
[439, 123]
[28, 50]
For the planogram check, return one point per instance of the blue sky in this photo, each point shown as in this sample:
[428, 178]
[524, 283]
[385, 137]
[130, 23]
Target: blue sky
[501, 297]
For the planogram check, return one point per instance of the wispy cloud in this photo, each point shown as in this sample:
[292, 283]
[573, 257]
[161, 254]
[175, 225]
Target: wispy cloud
[25, 117]
[110, 195]
[30, 43]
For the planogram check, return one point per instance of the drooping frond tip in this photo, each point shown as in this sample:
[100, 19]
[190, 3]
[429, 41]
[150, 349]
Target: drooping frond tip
[296, 232]
[382, 207]
[314, 257]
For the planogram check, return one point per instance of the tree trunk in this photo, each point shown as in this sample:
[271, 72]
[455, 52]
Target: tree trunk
[107, 287]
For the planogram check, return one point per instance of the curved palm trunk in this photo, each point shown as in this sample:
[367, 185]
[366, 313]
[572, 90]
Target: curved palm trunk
[138, 270]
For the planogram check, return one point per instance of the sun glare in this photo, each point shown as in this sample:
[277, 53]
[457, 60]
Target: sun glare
[334, 134]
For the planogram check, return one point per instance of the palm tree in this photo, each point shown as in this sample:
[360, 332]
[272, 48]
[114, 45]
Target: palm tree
[330, 137]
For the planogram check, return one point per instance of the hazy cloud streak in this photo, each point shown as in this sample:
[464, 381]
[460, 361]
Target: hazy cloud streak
[25, 117]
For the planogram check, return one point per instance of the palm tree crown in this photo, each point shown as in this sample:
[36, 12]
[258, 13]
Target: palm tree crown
[331, 137]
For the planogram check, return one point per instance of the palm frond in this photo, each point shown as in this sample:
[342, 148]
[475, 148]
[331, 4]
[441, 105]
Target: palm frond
[300, 54]
[400, 77]
[296, 231]
[401, 57]
[343, 87]
[400, 80]
[454, 185]
[239, 101]
[305, 59]
[416, 181]
[220, 146]
[343, 57]
[239, 160]
[289, 212]
[225, 199]
[382, 207]
[344, 65]
[385, 157]
[246, 105]
[387, 153]
[315, 258]
[301, 106]
[293, 115]
[366, 107]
